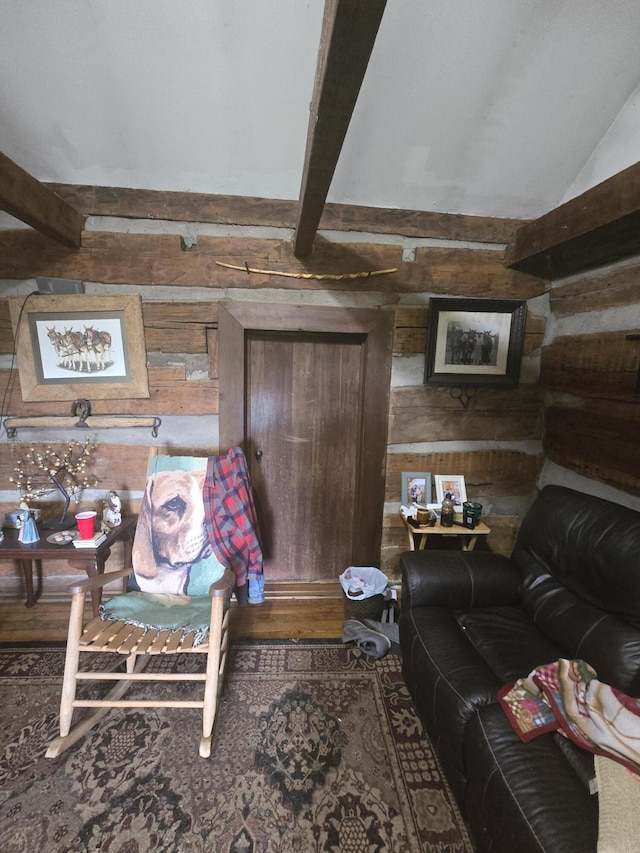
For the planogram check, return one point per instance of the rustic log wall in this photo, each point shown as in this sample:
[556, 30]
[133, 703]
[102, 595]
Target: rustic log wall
[495, 442]
[590, 374]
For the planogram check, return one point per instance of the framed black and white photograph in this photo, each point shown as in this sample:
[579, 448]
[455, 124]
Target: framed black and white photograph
[454, 485]
[416, 488]
[474, 341]
[78, 346]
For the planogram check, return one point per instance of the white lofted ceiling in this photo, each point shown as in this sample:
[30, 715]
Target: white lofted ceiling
[486, 107]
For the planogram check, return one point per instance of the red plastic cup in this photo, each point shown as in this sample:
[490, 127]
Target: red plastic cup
[86, 522]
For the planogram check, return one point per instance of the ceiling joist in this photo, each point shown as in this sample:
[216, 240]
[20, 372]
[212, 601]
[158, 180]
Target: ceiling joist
[24, 197]
[349, 31]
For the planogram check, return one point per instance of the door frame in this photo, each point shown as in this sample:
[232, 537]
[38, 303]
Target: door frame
[235, 319]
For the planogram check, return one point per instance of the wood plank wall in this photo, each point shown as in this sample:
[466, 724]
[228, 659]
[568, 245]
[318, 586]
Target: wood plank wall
[591, 378]
[496, 442]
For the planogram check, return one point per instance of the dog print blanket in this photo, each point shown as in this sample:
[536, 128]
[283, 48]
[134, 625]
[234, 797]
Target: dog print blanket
[172, 551]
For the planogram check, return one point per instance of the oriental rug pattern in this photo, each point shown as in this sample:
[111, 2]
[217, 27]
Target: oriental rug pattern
[317, 749]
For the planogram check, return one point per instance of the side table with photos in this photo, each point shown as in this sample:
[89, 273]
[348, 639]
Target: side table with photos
[419, 534]
[56, 546]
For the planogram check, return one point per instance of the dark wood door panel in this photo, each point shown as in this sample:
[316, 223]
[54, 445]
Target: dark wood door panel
[303, 419]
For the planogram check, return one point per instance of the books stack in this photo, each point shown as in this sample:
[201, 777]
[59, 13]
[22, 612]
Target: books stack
[97, 539]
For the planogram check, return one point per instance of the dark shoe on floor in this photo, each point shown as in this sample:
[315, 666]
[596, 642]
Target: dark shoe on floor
[371, 642]
[391, 630]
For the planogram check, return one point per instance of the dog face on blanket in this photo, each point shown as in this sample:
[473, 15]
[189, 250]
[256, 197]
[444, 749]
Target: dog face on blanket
[171, 534]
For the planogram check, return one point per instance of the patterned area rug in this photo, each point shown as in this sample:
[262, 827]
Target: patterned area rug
[317, 750]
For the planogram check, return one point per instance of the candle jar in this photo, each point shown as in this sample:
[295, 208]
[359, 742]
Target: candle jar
[423, 515]
[471, 511]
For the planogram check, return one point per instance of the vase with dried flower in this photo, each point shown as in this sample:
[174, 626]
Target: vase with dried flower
[40, 472]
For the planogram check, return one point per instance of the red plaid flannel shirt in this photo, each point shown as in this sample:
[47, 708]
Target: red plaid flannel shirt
[231, 515]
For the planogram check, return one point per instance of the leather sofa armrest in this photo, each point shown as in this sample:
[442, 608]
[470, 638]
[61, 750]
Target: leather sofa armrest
[458, 579]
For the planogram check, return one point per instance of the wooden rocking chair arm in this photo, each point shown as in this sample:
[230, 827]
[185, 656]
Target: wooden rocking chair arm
[223, 585]
[95, 582]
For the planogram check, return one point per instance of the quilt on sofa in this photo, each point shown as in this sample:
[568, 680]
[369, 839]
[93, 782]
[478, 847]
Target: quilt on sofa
[566, 696]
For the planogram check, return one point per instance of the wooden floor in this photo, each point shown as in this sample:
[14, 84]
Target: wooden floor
[290, 611]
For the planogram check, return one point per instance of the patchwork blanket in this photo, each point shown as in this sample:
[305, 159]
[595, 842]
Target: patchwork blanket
[566, 696]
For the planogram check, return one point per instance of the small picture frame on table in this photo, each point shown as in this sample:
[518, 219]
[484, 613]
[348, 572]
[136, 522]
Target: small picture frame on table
[416, 488]
[454, 485]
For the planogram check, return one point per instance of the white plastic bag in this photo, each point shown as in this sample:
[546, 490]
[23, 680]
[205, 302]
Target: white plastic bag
[360, 582]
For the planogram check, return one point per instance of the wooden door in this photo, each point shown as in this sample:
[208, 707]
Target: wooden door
[305, 392]
[303, 428]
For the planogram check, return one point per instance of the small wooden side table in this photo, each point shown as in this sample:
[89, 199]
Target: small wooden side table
[92, 560]
[468, 537]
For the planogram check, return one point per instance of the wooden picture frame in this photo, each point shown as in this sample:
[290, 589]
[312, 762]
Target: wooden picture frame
[474, 341]
[416, 488]
[80, 347]
[455, 485]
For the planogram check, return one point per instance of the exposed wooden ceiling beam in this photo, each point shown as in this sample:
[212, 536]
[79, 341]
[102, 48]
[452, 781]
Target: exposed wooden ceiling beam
[249, 210]
[348, 34]
[31, 202]
[599, 227]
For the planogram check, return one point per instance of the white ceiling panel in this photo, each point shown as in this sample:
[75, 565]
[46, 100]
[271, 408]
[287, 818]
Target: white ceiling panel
[491, 108]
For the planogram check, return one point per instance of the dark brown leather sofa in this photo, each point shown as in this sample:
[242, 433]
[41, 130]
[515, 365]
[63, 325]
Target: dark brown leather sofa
[473, 621]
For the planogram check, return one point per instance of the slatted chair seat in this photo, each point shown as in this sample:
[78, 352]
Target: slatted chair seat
[134, 642]
[125, 638]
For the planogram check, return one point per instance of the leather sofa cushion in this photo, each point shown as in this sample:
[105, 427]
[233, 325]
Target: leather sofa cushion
[448, 680]
[579, 759]
[507, 641]
[458, 579]
[589, 545]
[583, 631]
[524, 797]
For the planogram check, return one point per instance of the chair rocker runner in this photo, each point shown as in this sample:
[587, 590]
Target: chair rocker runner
[178, 600]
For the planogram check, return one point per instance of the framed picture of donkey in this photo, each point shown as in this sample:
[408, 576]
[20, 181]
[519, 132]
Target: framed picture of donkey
[70, 347]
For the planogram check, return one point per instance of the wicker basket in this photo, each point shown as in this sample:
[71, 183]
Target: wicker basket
[365, 608]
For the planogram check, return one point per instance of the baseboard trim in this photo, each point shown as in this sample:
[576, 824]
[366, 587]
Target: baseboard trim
[302, 590]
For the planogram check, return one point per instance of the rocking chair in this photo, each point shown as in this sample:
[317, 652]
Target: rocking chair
[179, 605]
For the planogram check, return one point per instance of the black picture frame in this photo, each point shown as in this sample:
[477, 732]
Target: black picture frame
[474, 341]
